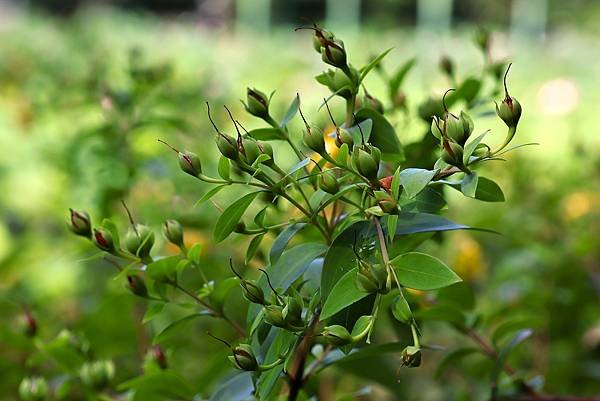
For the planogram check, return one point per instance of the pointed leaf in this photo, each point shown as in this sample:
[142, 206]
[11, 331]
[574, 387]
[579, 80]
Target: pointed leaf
[423, 272]
[231, 216]
[291, 112]
[414, 180]
[343, 293]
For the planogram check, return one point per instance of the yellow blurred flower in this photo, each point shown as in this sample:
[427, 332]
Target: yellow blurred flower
[579, 204]
[469, 262]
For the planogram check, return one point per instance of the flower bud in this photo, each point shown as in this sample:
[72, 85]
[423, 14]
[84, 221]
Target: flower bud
[227, 146]
[343, 136]
[252, 292]
[333, 53]
[243, 358]
[139, 240]
[447, 66]
[367, 162]
[250, 150]
[97, 374]
[33, 389]
[274, 315]
[136, 285]
[452, 153]
[373, 103]
[328, 182]
[28, 324]
[509, 111]
[337, 335]
[103, 239]
[190, 163]
[372, 278]
[411, 356]
[80, 223]
[159, 356]
[457, 128]
[320, 37]
[292, 311]
[257, 103]
[173, 232]
[386, 202]
[314, 140]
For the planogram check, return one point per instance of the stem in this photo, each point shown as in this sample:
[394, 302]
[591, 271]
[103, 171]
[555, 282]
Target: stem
[384, 252]
[296, 374]
[313, 218]
[350, 104]
[233, 323]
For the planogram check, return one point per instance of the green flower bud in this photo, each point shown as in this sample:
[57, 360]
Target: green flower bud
[411, 356]
[257, 103]
[367, 163]
[320, 37]
[190, 163]
[447, 66]
[456, 128]
[452, 153]
[173, 232]
[80, 223]
[328, 182]
[509, 111]
[343, 136]
[437, 127]
[97, 374]
[333, 53]
[314, 140]
[250, 150]
[103, 239]
[33, 389]
[28, 324]
[274, 315]
[136, 285]
[243, 358]
[372, 278]
[139, 240]
[337, 335]
[429, 108]
[265, 148]
[292, 311]
[386, 202]
[373, 103]
[227, 146]
[252, 292]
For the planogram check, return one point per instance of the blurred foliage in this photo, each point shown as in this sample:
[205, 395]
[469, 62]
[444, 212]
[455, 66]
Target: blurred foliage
[70, 125]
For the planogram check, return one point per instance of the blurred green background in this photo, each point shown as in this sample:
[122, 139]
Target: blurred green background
[86, 88]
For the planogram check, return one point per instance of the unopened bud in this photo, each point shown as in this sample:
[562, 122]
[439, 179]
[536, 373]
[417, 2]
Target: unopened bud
[173, 232]
[328, 182]
[227, 146]
[257, 103]
[190, 163]
[274, 315]
[411, 356]
[333, 53]
[252, 292]
[139, 240]
[509, 111]
[33, 389]
[80, 223]
[452, 153]
[337, 335]
[343, 136]
[97, 374]
[136, 285]
[243, 358]
[366, 160]
[103, 239]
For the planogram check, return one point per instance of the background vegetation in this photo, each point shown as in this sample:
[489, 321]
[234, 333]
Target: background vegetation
[84, 98]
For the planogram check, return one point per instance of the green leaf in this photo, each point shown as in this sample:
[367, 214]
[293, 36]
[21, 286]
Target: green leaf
[253, 247]
[469, 184]
[400, 74]
[114, 231]
[158, 385]
[343, 293]
[231, 216]
[518, 338]
[291, 112]
[392, 223]
[414, 180]
[513, 325]
[265, 134]
[469, 89]
[488, 191]
[237, 388]
[301, 164]
[361, 325]
[154, 308]
[423, 272]
[175, 325]
[224, 168]
[283, 240]
[164, 269]
[366, 69]
[383, 135]
[210, 194]
[193, 254]
[452, 358]
[219, 294]
[471, 146]
[366, 126]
